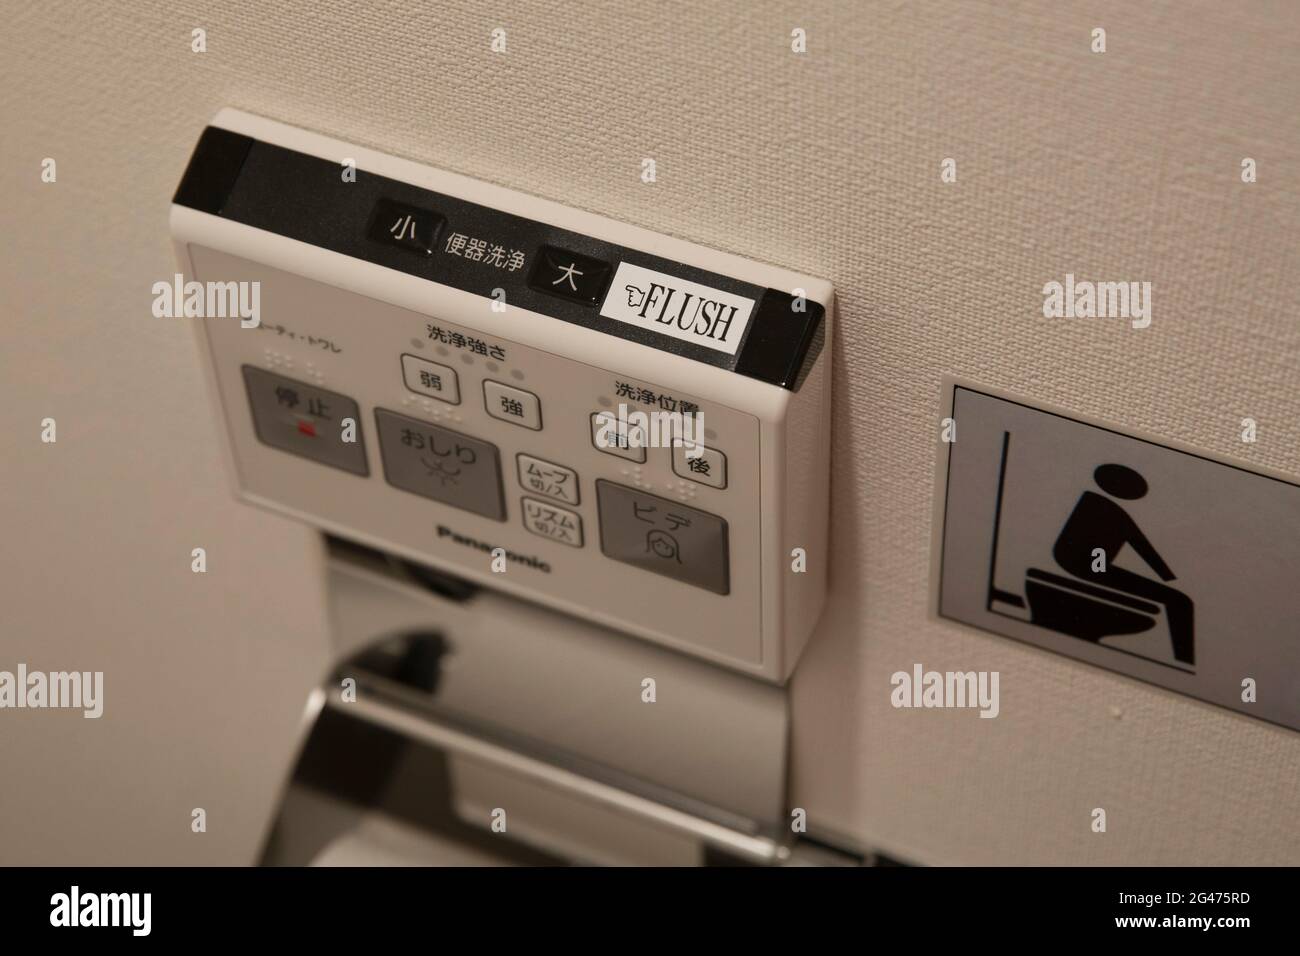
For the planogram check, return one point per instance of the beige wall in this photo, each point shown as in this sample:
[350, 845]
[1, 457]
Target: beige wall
[1122, 165]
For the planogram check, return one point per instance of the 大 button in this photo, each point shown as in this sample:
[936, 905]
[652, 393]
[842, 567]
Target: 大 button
[615, 437]
[406, 227]
[709, 467]
[552, 521]
[547, 478]
[569, 275]
[430, 378]
[512, 405]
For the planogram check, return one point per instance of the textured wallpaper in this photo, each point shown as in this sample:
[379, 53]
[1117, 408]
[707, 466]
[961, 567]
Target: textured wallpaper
[1123, 165]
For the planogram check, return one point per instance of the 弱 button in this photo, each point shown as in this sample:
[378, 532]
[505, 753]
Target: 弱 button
[406, 227]
[709, 467]
[569, 275]
[430, 378]
[512, 405]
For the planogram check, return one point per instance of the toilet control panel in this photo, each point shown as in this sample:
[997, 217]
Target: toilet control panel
[619, 424]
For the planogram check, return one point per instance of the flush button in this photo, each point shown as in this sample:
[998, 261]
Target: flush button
[569, 275]
[406, 227]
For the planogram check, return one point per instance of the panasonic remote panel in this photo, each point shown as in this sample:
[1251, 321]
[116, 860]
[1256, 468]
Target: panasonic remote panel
[615, 423]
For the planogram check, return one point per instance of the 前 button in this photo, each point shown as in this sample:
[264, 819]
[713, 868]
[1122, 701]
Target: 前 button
[709, 467]
[618, 437]
[406, 227]
[569, 275]
[512, 405]
[430, 378]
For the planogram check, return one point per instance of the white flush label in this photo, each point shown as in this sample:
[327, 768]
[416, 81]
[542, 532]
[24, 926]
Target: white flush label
[684, 310]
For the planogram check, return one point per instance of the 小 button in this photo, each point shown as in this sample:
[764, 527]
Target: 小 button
[569, 275]
[545, 478]
[430, 378]
[551, 521]
[618, 438]
[406, 227]
[708, 468]
[512, 405]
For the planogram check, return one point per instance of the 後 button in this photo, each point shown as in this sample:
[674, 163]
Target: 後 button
[305, 420]
[430, 378]
[709, 467]
[545, 478]
[406, 227]
[569, 275]
[615, 437]
[552, 521]
[512, 405]
[663, 536]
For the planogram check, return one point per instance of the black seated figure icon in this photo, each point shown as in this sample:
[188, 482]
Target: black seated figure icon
[1115, 600]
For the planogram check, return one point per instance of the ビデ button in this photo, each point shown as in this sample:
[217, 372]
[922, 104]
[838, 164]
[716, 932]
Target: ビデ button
[545, 478]
[430, 378]
[552, 521]
[512, 405]
[441, 464]
[709, 467]
[663, 536]
[305, 420]
[406, 227]
[569, 275]
[615, 437]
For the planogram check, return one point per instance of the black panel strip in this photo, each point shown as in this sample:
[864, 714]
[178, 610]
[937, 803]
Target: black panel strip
[213, 169]
[308, 199]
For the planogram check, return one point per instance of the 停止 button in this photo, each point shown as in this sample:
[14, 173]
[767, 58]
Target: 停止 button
[615, 437]
[552, 521]
[305, 420]
[512, 405]
[569, 275]
[430, 378]
[441, 464]
[545, 478]
[709, 467]
[663, 536]
[405, 226]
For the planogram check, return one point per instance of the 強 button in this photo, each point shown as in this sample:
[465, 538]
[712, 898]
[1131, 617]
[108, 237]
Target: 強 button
[569, 275]
[615, 437]
[512, 405]
[552, 521]
[547, 478]
[405, 226]
[430, 378]
[709, 467]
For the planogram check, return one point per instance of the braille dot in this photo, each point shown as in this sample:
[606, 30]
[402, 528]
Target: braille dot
[441, 350]
[605, 400]
[492, 366]
[710, 434]
[467, 358]
[417, 343]
[517, 374]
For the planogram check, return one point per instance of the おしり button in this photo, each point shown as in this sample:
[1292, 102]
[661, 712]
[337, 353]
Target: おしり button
[552, 521]
[430, 378]
[512, 405]
[441, 464]
[709, 467]
[546, 478]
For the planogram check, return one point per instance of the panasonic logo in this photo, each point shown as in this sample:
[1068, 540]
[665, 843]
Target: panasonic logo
[683, 310]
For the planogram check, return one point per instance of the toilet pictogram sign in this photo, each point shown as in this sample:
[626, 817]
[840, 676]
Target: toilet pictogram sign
[1159, 562]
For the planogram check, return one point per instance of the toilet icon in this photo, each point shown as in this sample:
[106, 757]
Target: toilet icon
[1088, 596]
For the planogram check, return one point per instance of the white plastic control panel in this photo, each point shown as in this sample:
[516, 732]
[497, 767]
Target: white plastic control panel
[618, 424]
